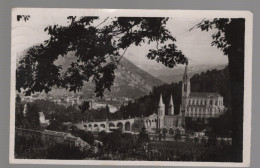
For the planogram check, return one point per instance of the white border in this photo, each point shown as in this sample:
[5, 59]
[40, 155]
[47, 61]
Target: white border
[148, 13]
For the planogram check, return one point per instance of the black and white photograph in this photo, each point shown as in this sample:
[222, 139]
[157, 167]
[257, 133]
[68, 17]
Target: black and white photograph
[130, 87]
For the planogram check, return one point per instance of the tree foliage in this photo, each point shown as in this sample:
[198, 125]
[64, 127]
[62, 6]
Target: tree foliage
[223, 38]
[55, 125]
[137, 126]
[84, 106]
[98, 50]
[87, 136]
[117, 141]
[222, 126]
[32, 116]
[23, 17]
[143, 136]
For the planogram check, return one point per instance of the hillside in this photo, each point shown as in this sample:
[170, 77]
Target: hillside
[177, 76]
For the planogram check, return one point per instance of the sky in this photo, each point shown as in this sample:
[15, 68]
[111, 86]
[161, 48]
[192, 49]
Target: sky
[195, 44]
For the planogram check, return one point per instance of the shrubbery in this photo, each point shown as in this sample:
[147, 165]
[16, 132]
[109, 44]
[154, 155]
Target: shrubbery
[117, 141]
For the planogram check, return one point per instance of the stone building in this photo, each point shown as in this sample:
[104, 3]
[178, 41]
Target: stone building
[171, 121]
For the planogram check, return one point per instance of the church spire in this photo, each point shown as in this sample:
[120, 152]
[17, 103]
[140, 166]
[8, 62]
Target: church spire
[171, 101]
[161, 101]
[185, 76]
[185, 86]
[161, 113]
[171, 107]
[186, 68]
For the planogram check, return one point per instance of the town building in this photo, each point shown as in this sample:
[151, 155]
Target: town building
[42, 119]
[98, 105]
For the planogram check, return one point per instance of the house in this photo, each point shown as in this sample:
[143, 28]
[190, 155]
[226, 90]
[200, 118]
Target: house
[43, 120]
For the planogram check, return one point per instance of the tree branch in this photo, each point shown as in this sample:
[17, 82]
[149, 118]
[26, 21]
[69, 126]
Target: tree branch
[122, 55]
[196, 25]
[102, 22]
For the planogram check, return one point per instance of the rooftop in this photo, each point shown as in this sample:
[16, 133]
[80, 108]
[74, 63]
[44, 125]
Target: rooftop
[205, 94]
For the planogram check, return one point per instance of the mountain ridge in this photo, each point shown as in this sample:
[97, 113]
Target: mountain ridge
[177, 77]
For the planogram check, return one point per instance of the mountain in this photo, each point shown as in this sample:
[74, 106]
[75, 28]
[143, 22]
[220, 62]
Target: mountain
[195, 69]
[130, 81]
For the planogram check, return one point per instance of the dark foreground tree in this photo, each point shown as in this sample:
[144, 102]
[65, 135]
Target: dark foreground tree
[33, 117]
[230, 38]
[143, 136]
[84, 135]
[85, 105]
[55, 125]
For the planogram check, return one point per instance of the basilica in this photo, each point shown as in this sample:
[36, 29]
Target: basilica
[195, 105]
[202, 105]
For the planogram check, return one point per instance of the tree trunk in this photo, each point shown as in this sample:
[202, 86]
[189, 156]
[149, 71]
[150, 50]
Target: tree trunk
[236, 70]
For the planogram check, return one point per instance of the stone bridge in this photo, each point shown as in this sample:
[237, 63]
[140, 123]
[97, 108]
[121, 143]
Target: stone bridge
[125, 124]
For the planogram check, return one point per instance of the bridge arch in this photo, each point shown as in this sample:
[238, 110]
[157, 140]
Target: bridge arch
[111, 126]
[127, 126]
[90, 127]
[120, 126]
[102, 127]
[96, 128]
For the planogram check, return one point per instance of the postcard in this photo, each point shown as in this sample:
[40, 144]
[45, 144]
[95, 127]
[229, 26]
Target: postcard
[131, 87]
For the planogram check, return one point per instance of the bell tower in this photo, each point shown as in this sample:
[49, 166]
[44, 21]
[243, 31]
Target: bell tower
[161, 113]
[185, 86]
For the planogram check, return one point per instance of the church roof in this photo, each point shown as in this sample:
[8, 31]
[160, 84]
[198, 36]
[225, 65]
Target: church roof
[205, 94]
